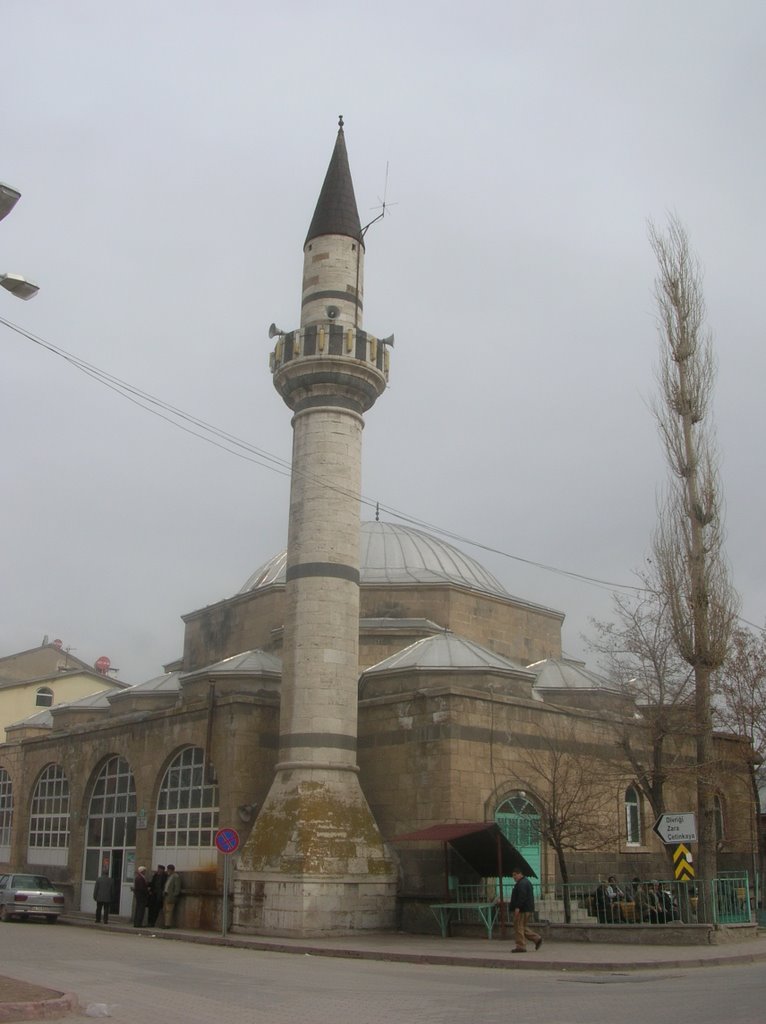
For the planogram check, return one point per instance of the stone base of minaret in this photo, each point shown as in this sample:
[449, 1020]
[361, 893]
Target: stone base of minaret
[315, 863]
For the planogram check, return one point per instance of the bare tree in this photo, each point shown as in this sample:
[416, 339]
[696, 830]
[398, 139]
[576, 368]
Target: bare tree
[742, 688]
[688, 541]
[638, 652]
[573, 795]
[741, 706]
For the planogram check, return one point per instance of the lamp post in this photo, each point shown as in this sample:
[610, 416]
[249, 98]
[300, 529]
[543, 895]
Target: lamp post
[14, 283]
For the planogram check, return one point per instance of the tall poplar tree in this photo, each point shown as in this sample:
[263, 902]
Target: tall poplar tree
[688, 543]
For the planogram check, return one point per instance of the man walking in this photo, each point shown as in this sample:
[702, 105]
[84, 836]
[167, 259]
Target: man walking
[523, 906]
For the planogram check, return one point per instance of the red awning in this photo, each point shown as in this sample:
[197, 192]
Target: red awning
[480, 843]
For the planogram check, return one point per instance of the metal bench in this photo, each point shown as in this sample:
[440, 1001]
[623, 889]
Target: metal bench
[445, 913]
[468, 903]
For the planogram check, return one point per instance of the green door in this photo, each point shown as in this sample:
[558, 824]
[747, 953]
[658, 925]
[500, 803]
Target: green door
[520, 824]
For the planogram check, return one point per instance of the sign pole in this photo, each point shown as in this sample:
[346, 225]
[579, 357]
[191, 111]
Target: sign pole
[226, 842]
[225, 908]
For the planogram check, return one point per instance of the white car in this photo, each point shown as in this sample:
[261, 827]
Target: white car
[25, 895]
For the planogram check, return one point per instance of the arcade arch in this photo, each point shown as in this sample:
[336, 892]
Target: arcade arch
[110, 841]
[187, 812]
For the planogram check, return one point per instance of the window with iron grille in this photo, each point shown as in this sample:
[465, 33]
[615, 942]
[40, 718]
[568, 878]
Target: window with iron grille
[720, 831]
[49, 815]
[187, 812]
[6, 807]
[633, 835]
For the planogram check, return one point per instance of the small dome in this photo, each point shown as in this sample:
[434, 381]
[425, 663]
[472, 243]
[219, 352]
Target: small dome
[448, 651]
[567, 674]
[393, 554]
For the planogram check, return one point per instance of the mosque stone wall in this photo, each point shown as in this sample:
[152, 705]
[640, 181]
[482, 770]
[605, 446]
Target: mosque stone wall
[514, 630]
[243, 733]
[434, 745]
[448, 753]
[242, 623]
[455, 755]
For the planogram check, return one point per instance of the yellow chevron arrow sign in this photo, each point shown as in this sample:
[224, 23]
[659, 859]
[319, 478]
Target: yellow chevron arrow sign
[682, 863]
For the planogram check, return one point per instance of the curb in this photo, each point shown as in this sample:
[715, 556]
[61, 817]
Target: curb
[532, 963]
[456, 960]
[40, 1009]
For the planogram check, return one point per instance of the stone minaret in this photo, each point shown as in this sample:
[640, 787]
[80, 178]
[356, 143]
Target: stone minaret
[315, 862]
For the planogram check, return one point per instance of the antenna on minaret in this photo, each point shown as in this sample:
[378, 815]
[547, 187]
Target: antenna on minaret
[383, 205]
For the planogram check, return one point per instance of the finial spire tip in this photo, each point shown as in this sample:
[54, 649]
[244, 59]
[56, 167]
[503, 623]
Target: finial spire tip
[340, 121]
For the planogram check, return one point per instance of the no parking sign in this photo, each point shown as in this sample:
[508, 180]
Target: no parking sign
[227, 840]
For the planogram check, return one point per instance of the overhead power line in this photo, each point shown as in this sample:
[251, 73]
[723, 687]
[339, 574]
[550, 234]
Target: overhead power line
[204, 431]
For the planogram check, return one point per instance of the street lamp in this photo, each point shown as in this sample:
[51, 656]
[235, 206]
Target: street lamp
[14, 283]
[19, 286]
[8, 199]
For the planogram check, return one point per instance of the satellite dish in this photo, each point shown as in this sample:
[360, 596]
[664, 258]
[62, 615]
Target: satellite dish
[58, 644]
[103, 664]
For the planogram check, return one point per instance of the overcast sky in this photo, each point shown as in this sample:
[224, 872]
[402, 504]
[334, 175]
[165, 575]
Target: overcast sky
[170, 154]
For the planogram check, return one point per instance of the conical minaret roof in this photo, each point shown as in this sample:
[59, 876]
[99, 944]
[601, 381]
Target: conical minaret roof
[336, 212]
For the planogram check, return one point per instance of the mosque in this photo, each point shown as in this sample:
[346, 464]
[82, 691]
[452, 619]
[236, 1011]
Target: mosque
[369, 681]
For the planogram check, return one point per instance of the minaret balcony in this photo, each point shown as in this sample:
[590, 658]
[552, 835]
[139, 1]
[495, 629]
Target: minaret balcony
[333, 365]
[332, 342]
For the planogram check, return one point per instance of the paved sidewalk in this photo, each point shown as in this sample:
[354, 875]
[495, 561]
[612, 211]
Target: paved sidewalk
[470, 952]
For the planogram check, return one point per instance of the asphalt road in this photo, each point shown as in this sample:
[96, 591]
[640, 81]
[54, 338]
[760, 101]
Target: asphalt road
[144, 979]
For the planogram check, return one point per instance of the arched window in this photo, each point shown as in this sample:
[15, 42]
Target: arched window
[720, 832]
[519, 821]
[6, 812]
[633, 836]
[524, 827]
[187, 811]
[49, 817]
[44, 697]
[111, 833]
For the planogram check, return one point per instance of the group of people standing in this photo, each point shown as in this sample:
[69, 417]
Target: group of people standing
[159, 894]
[152, 897]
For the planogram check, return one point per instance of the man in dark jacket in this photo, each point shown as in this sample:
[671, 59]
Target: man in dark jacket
[141, 895]
[103, 894]
[156, 889]
[522, 907]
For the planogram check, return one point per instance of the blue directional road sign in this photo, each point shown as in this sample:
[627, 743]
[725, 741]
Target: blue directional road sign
[227, 840]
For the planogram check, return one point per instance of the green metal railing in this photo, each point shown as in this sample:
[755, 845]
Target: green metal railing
[726, 900]
[731, 903]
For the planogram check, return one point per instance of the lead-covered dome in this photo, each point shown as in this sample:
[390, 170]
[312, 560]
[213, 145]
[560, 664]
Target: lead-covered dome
[393, 554]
